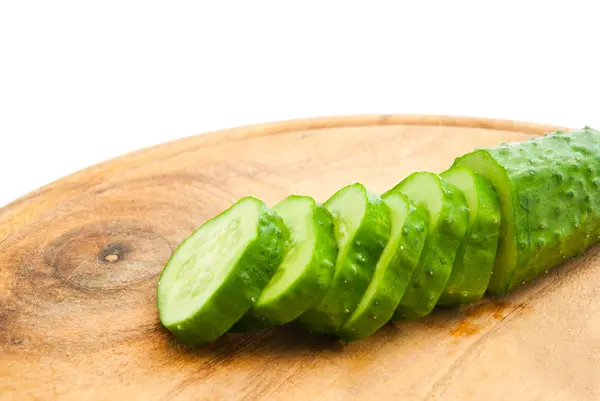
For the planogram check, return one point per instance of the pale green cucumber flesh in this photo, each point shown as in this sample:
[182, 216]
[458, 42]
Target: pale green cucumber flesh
[307, 268]
[548, 189]
[218, 272]
[361, 226]
[476, 255]
[409, 226]
[448, 223]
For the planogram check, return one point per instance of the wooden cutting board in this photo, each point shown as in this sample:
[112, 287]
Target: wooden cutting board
[79, 261]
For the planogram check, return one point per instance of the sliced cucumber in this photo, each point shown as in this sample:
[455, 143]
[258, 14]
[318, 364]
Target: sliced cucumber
[448, 220]
[409, 227]
[303, 277]
[474, 262]
[362, 228]
[218, 272]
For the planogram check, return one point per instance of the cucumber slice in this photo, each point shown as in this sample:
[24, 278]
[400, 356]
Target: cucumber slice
[362, 228]
[409, 227]
[448, 220]
[218, 272]
[548, 191]
[476, 255]
[303, 277]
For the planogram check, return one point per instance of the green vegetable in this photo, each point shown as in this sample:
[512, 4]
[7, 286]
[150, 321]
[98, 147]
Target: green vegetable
[448, 220]
[409, 226]
[303, 277]
[549, 197]
[217, 273]
[362, 229]
[476, 255]
[497, 218]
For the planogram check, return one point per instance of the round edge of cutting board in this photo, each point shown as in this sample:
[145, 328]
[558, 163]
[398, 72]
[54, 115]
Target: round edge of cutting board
[275, 128]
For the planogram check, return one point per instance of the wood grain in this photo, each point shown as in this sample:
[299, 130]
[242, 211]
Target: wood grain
[79, 260]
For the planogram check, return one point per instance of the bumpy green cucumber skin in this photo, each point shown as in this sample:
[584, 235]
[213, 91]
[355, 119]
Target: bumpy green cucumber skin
[475, 258]
[308, 290]
[354, 269]
[435, 265]
[243, 285]
[391, 276]
[553, 192]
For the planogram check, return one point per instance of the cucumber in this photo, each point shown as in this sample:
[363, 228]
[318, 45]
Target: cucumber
[474, 262]
[349, 265]
[362, 228]
[303, 277]
[218, 272]
[548, 190]
[448, 220]
[409, 227]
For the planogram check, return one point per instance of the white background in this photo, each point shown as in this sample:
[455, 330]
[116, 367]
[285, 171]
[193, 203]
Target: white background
[84, 81]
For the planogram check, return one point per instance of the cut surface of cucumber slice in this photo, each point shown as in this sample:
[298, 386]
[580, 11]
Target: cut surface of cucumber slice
[218, 272]
[448, 221]
[409, 227]
[362, 228]
[476, 255]
[303, 277]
